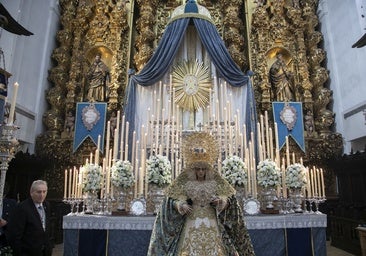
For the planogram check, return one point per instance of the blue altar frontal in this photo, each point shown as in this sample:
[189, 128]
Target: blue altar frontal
[271, 235]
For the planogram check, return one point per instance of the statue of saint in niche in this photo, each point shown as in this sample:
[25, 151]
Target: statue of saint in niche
[98, 78]
[282, 80]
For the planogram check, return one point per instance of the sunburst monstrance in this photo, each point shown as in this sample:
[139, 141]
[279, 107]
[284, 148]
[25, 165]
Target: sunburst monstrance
[192, 85]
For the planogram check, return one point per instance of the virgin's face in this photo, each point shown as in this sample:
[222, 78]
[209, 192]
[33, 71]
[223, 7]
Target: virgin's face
[200, 173]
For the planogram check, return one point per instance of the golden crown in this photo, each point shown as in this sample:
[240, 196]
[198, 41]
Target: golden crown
[199, 147]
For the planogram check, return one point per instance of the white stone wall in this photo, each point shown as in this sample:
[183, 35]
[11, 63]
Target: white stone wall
[342, 24]
[28, 60]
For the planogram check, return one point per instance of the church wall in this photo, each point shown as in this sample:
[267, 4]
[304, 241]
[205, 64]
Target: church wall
[342, 25]
[28, 60]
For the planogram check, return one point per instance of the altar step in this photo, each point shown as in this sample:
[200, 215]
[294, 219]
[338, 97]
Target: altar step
[331, 251]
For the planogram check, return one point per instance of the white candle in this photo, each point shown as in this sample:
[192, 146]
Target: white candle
[271, 143]
[97, 151]
[13, 103]
[267, 134]
[115, 145]
[308, 183]
[108, 139]
[322, 181]
[315, 182]
[276, 136]
[126, 146]
[283, 171]
[65, 186]
[287, 152]
[312, 189]
[70, 183]
[318, 182]
[122, 136]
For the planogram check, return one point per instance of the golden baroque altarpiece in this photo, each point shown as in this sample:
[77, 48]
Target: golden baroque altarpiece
[125, 34]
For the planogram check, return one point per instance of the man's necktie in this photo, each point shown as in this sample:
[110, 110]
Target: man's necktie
[42, 214]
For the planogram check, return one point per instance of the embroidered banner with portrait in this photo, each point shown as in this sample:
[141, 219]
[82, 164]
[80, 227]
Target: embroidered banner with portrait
[90, 122]
[289, 119]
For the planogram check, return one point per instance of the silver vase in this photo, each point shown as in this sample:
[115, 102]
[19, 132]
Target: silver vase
[122, 198]
[296, 198]
[268, 196]
[89, 201]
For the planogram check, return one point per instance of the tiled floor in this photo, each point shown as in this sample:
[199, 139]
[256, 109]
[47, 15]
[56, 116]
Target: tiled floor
[331, 251]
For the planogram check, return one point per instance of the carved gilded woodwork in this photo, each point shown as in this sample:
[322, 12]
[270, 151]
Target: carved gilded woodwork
[127, 32]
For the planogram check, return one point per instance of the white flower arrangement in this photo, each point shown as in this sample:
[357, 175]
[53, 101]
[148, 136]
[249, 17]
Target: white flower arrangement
[92, 177]
[296, 176]
[268, 173]
[234, 171]
[159, 170]
[122, 174]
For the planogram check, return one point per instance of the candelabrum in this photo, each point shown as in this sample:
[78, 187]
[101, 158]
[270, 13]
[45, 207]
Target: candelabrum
[74, 203]
[316, 200]
[8, 146]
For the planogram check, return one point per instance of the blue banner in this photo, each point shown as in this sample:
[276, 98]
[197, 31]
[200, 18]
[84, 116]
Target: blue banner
[90, 122]
[289, 119]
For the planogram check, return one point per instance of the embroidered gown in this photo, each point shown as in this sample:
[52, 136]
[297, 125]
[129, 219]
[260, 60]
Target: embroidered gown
[206, 231]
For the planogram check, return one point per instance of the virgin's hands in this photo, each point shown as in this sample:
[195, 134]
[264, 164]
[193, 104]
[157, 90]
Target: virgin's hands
[219, 203]
[185, 209]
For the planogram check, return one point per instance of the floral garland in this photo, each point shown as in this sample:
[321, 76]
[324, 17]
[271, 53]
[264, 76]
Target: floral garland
[159, 170]
[122, 174]
[268, 173]
[295, 176]
[235, 171]
[92, 177]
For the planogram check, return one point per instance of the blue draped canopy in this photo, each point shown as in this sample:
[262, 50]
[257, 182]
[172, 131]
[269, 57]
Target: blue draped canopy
[165, 53]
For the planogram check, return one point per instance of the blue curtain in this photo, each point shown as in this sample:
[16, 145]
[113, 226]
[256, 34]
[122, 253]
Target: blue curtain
[220, 56]
[156, 67]
[163, 57]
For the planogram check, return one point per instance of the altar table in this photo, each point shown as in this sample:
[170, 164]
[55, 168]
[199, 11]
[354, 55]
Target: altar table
[271, 235]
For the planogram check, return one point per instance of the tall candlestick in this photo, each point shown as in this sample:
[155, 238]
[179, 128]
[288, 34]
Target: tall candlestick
[13, 103]
[121, 145]
[318, 182]
[287, 152]
[262, 136]
[108, 139]
[65, 186]
[283, 171]
[115, 145]
[271, 152]
[308, 188]
[315, 182]
[312, 188]
[322, 181]
[267, 134]
[70, 183]
[118, 120]
[276, 136]
[97, 151]
[126, 146]
[259, 142]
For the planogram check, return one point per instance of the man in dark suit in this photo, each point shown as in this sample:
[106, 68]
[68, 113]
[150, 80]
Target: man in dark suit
[28, 229]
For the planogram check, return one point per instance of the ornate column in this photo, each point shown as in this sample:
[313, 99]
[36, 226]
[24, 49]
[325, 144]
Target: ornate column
[8, 146]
